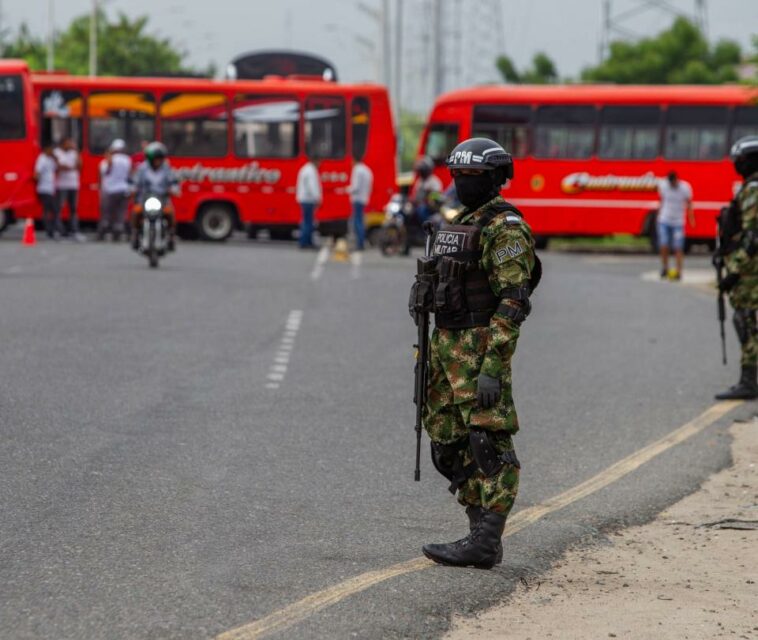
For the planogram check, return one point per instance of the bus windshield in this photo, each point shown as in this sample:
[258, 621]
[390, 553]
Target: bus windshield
[12, 123]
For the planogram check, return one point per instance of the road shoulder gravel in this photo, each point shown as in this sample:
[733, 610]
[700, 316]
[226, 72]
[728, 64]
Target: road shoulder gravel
[691, 573]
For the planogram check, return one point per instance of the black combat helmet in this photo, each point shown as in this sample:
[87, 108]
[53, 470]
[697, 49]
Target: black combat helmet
[483, 154]
[744, 155]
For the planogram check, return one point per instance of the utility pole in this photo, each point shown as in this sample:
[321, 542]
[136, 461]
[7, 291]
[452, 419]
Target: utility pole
[398, 59]
[93, 40]
[439, 80]
[386, 47]
[51, 35]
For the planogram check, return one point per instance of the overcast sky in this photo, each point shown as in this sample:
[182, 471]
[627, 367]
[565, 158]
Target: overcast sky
[345, 32]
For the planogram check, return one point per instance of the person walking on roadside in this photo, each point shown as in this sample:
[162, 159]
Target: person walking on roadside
[69, 168]
[361, 184]
[738, 252]
[45, 169]
[308, 195]
[115, 170]
[676, 200]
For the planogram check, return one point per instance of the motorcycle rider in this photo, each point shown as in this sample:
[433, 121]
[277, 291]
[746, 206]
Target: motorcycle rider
[426, 189]
[154, 177]
[738, 246]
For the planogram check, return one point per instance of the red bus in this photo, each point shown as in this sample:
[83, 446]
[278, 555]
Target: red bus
[588, 157]
[236, 146]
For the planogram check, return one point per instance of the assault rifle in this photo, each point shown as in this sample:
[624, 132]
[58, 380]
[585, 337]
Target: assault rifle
[718, 263]
[420, 306]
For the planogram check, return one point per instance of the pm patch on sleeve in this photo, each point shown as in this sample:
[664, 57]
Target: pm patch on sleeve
[509, 251]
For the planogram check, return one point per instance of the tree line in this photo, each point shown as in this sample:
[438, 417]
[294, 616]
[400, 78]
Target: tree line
[679, 55]
[125, 48]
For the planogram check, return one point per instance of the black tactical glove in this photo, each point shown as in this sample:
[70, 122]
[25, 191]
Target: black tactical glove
[727, 284]
[487, 391]
[717, 260]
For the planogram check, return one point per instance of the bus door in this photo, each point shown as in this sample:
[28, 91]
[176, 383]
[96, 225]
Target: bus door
[17, 150]
[325, 132]
[267, 138]
[127, 115]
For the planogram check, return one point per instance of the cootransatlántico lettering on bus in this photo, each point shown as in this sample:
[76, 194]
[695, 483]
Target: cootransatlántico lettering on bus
[582, 181]
[248, 173]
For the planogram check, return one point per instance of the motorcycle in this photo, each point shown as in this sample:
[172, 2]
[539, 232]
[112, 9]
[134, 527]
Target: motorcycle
[402, 228]
[154, 232]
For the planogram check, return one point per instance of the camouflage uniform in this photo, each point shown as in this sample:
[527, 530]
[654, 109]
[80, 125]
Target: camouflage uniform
[459, 356]
[744, 295]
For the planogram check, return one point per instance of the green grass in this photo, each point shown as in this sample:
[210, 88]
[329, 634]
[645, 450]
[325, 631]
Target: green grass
[617, 242]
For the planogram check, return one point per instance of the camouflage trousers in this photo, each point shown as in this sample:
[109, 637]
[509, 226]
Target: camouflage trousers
[744, 297]
[456, 359]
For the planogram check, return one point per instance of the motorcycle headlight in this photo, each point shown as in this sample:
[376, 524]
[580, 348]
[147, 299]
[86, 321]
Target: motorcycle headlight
[152, 205]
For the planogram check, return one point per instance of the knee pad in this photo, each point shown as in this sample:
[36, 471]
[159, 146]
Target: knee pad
[448, 460]
[744, 324]
[486, 456]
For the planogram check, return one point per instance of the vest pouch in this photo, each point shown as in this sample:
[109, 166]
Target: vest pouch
[448, 296]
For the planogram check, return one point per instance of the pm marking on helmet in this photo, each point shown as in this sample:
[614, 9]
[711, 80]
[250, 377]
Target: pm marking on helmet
[448, 242]
[460, 157]
[509, 251]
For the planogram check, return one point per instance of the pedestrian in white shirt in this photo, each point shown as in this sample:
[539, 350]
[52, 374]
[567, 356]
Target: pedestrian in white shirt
[69, 167]
[44, 177]
[361, 185]
[115, 170]
[308, 195]
[676, 201]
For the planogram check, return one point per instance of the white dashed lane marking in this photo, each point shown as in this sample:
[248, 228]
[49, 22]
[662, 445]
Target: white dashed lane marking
[321, 260]
[278, 368]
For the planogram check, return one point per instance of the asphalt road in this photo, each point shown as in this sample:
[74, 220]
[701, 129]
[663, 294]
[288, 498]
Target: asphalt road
[190, 449]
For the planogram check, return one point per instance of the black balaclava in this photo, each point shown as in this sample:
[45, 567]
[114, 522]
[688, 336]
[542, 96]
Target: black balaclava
[746, 166]
[474, 191]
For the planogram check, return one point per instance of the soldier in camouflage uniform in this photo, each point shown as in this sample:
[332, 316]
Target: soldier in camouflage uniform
[485, 271]
[738, 230]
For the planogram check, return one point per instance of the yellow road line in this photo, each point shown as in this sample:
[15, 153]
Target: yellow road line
[298, 611]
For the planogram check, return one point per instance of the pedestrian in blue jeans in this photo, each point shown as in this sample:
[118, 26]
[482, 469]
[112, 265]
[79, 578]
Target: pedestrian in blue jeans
[676, 201]
[308, 195]
[361, 184]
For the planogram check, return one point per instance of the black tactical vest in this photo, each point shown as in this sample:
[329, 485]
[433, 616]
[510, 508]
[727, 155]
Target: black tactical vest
[463, 297]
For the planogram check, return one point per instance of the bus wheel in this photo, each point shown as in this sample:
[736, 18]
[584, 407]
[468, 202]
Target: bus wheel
[4, 219]
[540, 242]
[216, 222]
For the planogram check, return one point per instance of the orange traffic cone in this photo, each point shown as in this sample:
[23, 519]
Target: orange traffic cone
[29, 239]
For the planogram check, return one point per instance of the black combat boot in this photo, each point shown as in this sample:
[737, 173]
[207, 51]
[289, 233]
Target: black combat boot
[482, 548]
[474, 515]
[745, 389]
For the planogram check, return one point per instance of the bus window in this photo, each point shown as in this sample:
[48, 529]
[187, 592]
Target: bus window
[359, 120]
[695, 133]
[194, 124]
[325, 127]
[441, 139]
[565, 132]
[120, 114]
[629, 133]
[61, 116]
[506, 124]
[266, 126]
[12, 120]
[745, 122]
